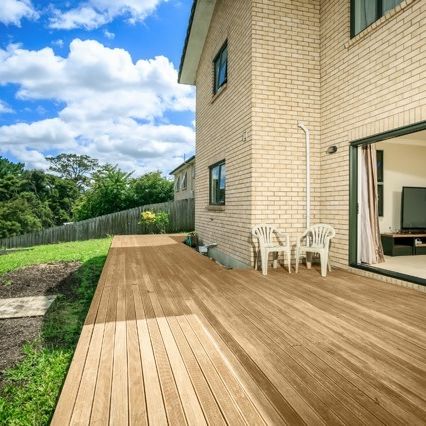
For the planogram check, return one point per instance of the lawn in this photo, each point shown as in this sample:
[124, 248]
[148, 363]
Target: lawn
[32, 386]
[63, 252]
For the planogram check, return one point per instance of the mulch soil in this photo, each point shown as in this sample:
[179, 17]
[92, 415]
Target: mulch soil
[35, 280]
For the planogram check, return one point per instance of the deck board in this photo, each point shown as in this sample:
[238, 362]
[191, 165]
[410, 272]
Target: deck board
[173, 338]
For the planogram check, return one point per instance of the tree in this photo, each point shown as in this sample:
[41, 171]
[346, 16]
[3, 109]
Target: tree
[9, 168]
[78, 168]
[151, 188]
[24, 213]
[110, 192]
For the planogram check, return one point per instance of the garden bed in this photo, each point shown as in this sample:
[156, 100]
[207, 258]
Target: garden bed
[36, 351]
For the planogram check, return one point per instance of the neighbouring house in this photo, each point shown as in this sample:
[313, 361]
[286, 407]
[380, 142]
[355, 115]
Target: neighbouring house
[184, 175]
[353, 72]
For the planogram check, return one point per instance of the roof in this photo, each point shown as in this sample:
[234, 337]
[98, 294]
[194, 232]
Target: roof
[198, 27]
[188, 161]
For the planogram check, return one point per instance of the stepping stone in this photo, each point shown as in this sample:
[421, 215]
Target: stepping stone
[25, 306]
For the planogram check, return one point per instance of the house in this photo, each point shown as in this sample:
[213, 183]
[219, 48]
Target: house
[184, 175]
[270, 74]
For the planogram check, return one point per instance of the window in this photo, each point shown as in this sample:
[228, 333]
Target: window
[185, 181]
[177, 184]
[365, 12]
[220, 65]
[217, 183]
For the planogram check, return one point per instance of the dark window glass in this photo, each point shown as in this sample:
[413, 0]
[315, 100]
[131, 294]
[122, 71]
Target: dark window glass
[185, 181]
[220, 65]
[217, 183]
[365, 12]
[379, 154]
[389, 4]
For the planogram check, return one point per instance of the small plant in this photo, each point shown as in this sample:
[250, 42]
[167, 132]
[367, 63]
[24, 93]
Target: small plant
[192, 239]
[155, 222]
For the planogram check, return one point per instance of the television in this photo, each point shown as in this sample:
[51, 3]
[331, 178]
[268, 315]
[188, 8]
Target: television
[413, 209]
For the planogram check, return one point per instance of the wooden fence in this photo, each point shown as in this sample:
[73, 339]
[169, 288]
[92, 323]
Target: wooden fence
[182, 218]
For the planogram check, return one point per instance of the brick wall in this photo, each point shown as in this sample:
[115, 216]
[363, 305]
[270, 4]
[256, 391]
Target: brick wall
[370, 84]
[290, 62]
[221, 125]
[286, 90]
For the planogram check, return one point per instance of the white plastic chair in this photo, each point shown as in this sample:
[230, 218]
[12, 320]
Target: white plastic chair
[265, 236]
[316, 239]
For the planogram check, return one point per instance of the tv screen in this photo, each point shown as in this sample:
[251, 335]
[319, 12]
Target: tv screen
[413, 208]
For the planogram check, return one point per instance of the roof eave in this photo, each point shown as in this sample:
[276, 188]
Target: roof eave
[198, 27]
[185, 163]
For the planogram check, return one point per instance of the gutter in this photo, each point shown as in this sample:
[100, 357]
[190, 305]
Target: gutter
[188, 33]
[308, 173]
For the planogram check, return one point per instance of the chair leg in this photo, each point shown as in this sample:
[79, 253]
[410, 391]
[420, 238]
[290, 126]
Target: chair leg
[309, 260]
[289, 262]
[264, 260]
[324, 264]
[256, 260]
[329, 265]
[275, 260]
[297, 260]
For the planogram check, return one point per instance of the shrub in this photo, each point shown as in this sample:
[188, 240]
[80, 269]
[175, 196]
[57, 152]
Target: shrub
[155, 222]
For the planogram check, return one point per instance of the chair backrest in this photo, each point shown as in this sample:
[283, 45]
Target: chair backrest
[264, 233]
[320, 235]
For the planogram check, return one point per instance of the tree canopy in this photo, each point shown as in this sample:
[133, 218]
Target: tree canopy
[77, 168]
[74, 188]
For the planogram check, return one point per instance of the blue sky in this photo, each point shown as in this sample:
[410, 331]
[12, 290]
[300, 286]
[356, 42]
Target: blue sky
[96, 77]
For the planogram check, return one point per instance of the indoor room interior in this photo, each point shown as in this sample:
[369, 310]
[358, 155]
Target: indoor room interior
[400, 184]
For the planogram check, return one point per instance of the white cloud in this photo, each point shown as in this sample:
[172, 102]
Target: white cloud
[12, 11]
[109, 35]
[58, 43]
[95, 13]
[111, 110]
[5, 108]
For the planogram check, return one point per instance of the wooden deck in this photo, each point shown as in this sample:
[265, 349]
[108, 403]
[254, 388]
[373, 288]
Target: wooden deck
[172, 337]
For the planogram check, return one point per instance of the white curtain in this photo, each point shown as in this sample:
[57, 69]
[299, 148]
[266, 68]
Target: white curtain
[371, 250]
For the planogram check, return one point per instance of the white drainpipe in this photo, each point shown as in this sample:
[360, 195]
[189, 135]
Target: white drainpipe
[308, 173]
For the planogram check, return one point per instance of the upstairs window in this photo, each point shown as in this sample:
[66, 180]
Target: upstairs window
[185, 181]
[177, 184]
[217, 183]
[365, 12]
[220, 66]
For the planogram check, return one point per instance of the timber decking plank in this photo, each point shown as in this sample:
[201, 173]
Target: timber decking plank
[119, 392]
[102, 399]
[137, 404]
[154, 399]
[84, 399]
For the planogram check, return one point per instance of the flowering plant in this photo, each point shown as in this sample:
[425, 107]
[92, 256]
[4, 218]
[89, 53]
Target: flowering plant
[155, 222]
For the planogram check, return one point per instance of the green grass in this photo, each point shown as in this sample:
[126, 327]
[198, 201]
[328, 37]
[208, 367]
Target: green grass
[63, 252]
[32, 386]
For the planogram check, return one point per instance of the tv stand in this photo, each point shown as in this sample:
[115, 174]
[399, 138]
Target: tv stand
[403, 244]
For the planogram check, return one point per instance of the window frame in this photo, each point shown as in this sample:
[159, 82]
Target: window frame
[379, 14]
[177, 183]
[216, 85]
[211, 168]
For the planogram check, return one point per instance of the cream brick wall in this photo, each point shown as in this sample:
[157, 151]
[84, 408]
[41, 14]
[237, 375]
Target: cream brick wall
[286, 90]
[370, 84]
[221, 125]
[290, 62]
